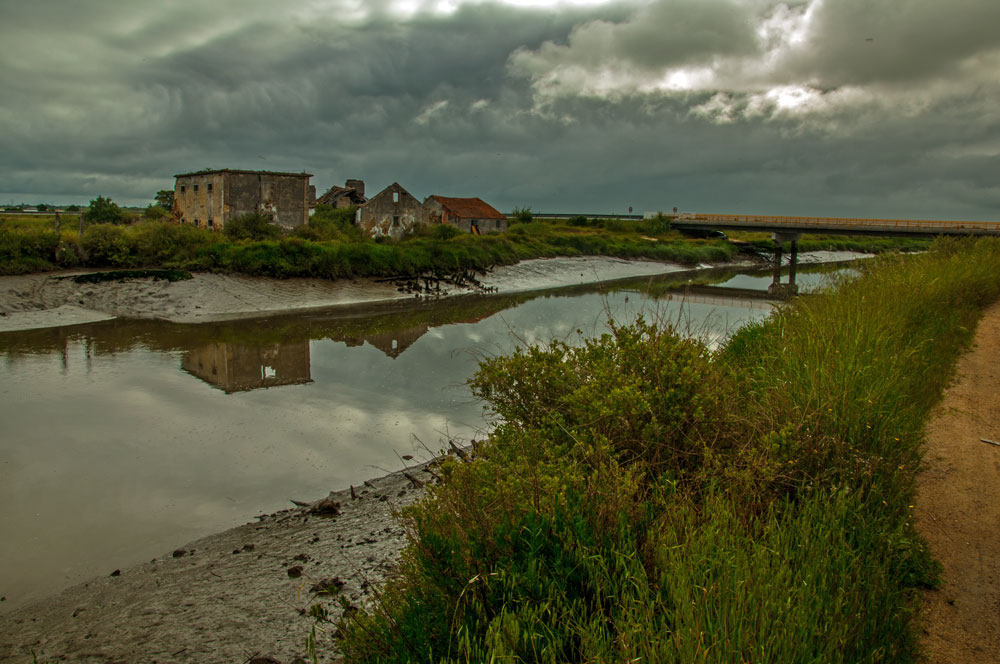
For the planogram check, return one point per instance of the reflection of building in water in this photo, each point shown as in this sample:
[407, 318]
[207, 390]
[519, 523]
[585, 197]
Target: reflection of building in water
[393, 342]
[239, 367]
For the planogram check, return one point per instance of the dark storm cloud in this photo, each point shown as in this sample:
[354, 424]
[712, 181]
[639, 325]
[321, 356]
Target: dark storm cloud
[807, 107]
[861, 42]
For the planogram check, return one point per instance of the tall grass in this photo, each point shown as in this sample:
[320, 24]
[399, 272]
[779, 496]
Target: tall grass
[643, 499]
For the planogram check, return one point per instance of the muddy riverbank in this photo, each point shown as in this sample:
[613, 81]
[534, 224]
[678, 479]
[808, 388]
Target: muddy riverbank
[53, 299]
[229, 597]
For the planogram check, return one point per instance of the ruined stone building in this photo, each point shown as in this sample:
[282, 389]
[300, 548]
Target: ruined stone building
[210, 199]
[392, 212]
[352, 193]
[471, 215]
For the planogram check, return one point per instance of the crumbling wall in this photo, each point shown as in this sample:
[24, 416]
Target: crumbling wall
[199, 199]
[287, 199]
[210, 199]
[392, 212]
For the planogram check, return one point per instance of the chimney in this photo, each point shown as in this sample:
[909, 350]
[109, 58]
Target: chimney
[356, 185]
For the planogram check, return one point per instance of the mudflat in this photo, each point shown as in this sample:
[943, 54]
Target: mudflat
[230, 597]
[54, 299]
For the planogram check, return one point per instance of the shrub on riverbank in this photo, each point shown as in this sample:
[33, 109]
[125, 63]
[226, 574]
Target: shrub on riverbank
[331, 248]
[643, 499]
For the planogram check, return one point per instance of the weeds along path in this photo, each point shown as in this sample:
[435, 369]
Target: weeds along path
[958, 508]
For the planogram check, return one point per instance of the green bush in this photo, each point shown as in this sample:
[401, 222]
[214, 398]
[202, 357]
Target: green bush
[253, 226]
[523, 215]
[155, 213]
[108, 244]
[331, 224]
[166, 243]
[104, 211]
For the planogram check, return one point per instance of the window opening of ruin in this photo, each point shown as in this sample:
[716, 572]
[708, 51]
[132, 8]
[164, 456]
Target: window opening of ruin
[210, 186]
[395, 197]
[196, 187]
[395, 221]
[211, 223]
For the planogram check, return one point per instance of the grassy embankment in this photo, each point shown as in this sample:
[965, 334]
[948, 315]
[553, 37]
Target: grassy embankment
[330, 247]
[861, 243]
[644, 500]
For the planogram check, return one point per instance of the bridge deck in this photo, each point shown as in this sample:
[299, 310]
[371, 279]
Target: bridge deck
[836, 225]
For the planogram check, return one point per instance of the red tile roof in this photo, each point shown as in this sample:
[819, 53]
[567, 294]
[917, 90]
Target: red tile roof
[469, 208]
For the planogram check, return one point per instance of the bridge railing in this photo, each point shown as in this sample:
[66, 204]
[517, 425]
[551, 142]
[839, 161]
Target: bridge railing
[798, 222]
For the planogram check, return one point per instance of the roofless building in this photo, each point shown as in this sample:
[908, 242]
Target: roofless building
[211, 198]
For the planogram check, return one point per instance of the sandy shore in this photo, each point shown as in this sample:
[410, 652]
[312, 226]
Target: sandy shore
[53, 299]
[229, 597]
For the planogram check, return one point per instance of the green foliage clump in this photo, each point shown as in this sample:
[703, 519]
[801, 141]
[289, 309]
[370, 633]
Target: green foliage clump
[331, 224]
[165, 199]
[104, 211]
[644, 500]
[108, 244]
[523, 215]
[155, 213]
[23, 251]
[438, 231]
[252, 226]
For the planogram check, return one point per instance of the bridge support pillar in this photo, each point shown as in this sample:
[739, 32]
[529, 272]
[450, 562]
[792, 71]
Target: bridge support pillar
[778, 289]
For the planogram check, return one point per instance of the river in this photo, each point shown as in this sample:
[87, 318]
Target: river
[127, 438]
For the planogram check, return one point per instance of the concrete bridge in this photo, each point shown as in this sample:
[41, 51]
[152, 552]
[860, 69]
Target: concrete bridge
[790, 229]
[832, 225]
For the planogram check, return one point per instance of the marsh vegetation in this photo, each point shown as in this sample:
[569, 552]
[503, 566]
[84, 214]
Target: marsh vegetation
[645, 499]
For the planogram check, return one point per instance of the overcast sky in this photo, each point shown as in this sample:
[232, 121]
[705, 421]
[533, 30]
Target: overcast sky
[813, 107]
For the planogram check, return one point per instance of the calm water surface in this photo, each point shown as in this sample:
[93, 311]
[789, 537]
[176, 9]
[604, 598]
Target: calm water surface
[125, 439]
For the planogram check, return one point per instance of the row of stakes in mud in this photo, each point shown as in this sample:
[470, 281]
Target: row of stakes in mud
[430, 284]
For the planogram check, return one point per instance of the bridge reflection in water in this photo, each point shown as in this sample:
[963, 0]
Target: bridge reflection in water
[788, 230]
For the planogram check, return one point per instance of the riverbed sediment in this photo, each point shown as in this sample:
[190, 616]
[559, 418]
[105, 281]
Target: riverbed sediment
[53, 299]
[242, 594]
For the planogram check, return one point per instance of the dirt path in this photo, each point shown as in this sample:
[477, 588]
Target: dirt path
[958, 509]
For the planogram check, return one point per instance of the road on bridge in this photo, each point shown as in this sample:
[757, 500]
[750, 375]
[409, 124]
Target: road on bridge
[833, 225]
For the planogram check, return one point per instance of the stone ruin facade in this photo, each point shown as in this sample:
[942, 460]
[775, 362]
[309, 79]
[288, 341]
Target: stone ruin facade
[212, 198]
